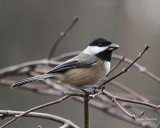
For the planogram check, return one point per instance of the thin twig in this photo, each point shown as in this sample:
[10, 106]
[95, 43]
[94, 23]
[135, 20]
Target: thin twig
[8, 113]
[110, 110]
[156, 107]
[141, 68]
[127, 68]
[121, 99]
[121, 60]
[125, 111]
[125, 88]
[12, 69]
[38, 88]
[64, 126]
[92, 96]
[148, 98]
[62, 35]
[66, 55]
[41, 106]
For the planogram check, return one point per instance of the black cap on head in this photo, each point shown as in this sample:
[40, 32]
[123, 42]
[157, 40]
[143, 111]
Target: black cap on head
[100, 42]
[105, 48]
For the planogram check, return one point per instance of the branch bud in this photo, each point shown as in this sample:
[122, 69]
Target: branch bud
[140, 55]
[133, 117]
[17, 116]
[124, 70]
[76, 18]
[147, 46]
[62, 34]
[114, 98]
[142, 69]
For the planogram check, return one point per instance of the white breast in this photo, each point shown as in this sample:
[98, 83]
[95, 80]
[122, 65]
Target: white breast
[107, 66]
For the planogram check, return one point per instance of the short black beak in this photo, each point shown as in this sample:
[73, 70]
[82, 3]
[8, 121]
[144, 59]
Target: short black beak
[113, 46]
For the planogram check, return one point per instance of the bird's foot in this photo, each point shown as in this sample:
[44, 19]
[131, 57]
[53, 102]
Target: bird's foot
[86, 94]
[93, 91]
[89, 94]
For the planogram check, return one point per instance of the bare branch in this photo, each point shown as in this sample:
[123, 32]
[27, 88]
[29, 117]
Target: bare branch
[125, 88]
[51, 89]
[116, 66]
[62, 35]
[41, 106]
[156, 107]
[40, 88]
[86, 110]
[8, 113]
[139, 67]
[110, 110]
[64, 126]
[130, 96]
[125, 111]
[126, 69]
[12, 69]
[66, 55]
[86, 114]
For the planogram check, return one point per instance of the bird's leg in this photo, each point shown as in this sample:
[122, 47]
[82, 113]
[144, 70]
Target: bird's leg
[86, 94]
[93, 91]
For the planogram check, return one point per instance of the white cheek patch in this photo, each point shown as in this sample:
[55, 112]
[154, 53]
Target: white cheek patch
[92, 50]
[107, 66]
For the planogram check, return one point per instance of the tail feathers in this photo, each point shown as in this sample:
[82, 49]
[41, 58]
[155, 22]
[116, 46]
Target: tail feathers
[31, 79]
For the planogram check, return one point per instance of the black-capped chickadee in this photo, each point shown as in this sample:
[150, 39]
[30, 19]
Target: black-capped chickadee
[82, 71]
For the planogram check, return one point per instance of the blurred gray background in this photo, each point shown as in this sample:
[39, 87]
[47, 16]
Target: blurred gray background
[28, 29]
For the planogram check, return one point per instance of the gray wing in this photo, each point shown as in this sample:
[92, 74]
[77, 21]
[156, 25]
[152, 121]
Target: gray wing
[72, 64]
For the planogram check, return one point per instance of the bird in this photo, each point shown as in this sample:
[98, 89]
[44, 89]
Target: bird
[82, 71]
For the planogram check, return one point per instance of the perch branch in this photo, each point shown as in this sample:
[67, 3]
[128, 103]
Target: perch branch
[86, 113]
[108, 109]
